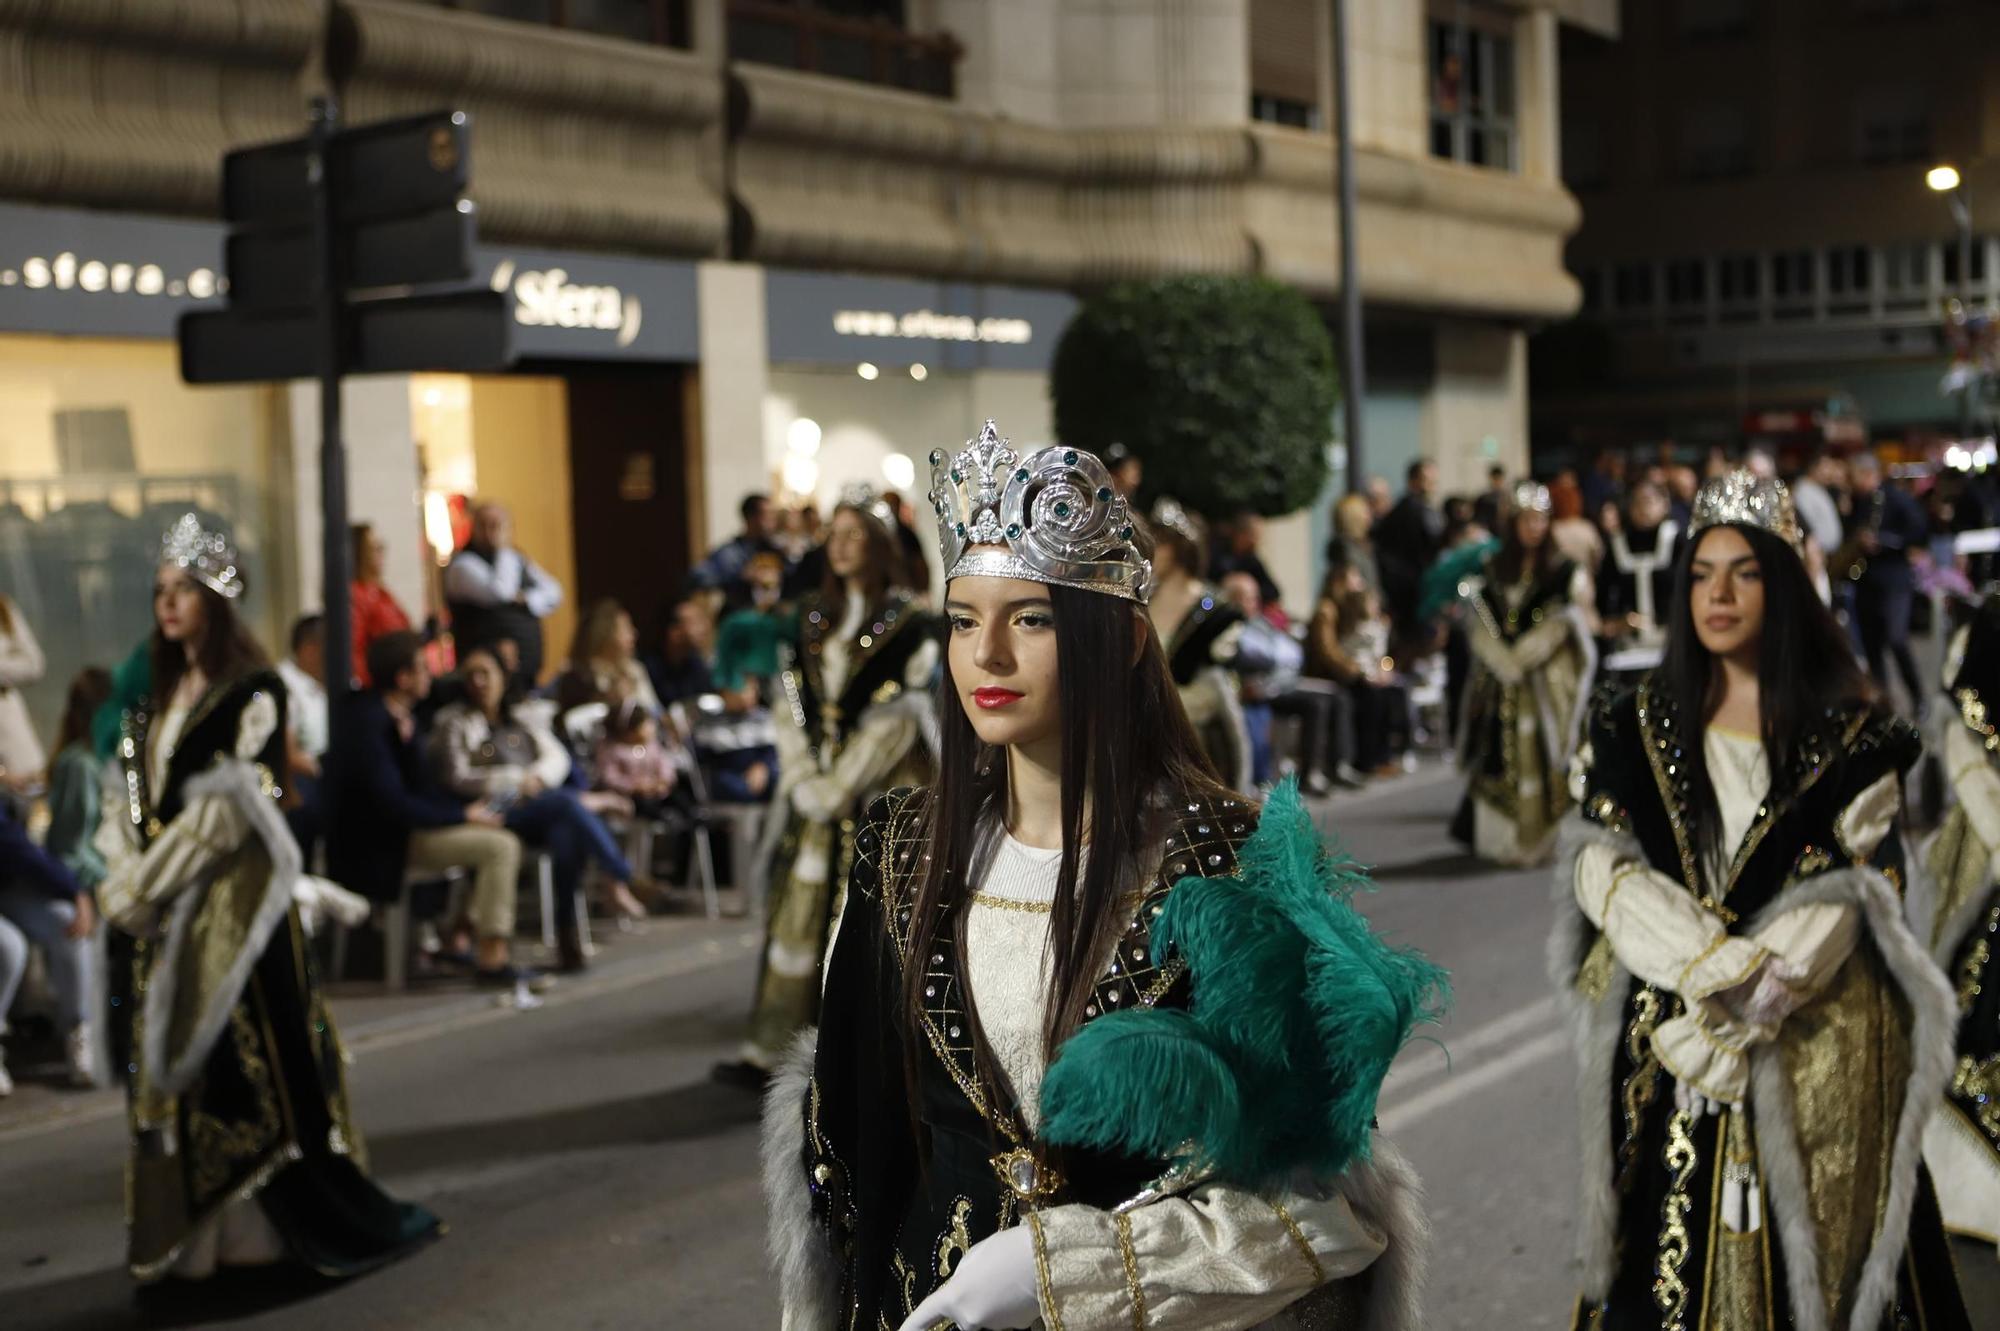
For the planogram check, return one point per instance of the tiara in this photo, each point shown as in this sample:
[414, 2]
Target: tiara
[1533, 497]
[1744, 499]
[207, 556]
[1167, 512]
[1055, 512]
[866, 500]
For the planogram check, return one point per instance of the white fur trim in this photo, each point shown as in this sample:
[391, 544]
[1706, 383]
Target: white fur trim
[1595, 1030]
[1231, 704]
[1386, 1193]
[1934, 1019]
[237, 781]
[808, 1278]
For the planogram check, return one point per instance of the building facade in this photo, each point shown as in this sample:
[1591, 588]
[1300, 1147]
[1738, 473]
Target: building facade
[1761, 256]
[749, 246]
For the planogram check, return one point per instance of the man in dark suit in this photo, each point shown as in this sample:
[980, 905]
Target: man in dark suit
[1885, 527]
[1407, 542]
[386, 817]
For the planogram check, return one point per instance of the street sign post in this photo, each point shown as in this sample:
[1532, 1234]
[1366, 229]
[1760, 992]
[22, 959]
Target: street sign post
[343, 249]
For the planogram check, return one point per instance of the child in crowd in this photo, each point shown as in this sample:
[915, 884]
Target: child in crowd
[632, 759]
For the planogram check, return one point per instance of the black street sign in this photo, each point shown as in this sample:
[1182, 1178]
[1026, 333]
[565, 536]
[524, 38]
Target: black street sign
[382, 170]
[276, 268]
[468, 332]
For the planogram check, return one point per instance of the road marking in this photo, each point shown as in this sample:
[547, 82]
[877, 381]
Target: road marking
[1453, 1089]
[1425, 1059]
[407, 1028]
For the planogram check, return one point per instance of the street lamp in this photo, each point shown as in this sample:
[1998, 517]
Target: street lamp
[1945, 180]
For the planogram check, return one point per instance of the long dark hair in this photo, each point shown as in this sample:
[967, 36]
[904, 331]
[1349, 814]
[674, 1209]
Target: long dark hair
[87, 692]
[1124, 737]
[1514, 554]
[227, 648]
[883, 567]
[1804, 667]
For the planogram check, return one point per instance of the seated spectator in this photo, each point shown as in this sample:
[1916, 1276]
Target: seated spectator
[634, 761]
[490, 747]
[603, 662]
[747, 640]
[680, 668]
[372, 606]
[1348, 643]
[304, 673]
[74, 780]
[1267, 662]
[43, 905]
[386, 815]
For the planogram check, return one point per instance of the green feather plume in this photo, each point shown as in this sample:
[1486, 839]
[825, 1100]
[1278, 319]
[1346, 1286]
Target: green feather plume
[1297, 1010]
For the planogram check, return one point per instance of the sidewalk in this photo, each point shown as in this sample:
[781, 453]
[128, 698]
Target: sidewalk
[371, 1018]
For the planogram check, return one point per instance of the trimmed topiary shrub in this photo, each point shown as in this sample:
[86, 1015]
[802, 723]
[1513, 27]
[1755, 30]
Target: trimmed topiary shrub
[1224, 387]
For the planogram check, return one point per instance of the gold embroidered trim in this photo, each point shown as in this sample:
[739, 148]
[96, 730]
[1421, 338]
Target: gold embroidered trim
[1014, 904]
[1299, 1238]
[1670, 1292]
[1051, 1313]
[1640, 1088]
[1714, 946]
[1668, 798]
[1123, 1222]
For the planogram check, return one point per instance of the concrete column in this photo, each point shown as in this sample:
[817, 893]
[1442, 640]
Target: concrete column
[1477, 414]
[382, 483]
[1538, 96]
[1010, 62]
[1153, 62]
[727, 460]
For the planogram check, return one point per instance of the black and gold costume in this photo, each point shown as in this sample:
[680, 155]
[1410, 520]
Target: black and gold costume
[237, 1090]
[1533, 658]
[1958, 915]
[875, 1195]
[854, 719]
[1201, 658]
[1806, 1203]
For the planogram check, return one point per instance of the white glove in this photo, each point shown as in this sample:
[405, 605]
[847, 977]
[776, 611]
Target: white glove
[817, 798]
[993, 1289]
[1690, 1101]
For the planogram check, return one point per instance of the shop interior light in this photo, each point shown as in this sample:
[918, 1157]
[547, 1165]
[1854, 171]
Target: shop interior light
[801, 474]
[899, 470]
[919, 373]
[1943, 179]
[433, 397]
[867, 370]
[803, 437]
[437, 525]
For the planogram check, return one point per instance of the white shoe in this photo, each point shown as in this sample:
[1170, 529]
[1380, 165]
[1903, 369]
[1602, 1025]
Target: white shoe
[6, 1082]
[81, 1055]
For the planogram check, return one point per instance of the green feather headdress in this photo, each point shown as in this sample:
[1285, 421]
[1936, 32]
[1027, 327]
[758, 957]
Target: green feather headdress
[1297, 1011]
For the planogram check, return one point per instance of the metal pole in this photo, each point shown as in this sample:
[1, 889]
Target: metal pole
[1353, 370]
[332, 447]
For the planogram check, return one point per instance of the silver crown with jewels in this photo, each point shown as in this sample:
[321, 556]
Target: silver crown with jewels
[207, 555]
[1051, 517]
[866, 500]
[1533, 497]
[1744, 499]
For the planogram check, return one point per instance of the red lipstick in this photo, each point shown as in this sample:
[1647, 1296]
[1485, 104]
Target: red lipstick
[992, 698]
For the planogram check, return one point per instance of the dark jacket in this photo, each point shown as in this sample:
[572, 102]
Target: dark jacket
[377, 792]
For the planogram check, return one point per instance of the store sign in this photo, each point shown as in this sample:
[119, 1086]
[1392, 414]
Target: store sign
[583, 307]
[832, 318]
[67, 271]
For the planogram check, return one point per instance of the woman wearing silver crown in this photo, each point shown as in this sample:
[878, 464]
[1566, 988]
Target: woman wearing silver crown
[1956, 908]
[1760, 1036]
[242, 1148]
[1072, 1069]
[852, 721]
[1533, 655]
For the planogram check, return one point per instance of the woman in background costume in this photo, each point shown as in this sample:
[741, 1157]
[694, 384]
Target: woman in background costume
[1201, 631]
[1760, 1036]
[1956, 910]
[1533, 655]
[1101, 1044]
[852, 717]
[242, 1148]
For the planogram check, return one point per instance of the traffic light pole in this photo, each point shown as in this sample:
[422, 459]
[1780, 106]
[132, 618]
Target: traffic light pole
[330, 309]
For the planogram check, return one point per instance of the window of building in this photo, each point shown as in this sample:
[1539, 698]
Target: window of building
[1707, 19]
[1715, 142]
[1632, 286]
[1472, 84]
[1847, 270]
[865, 40]
[1286, 38]
[1739, 277]
[1687, 282]
[1794, 282]
[1583, 161]
[1893, 125]
[664, 22]
[1951, 262]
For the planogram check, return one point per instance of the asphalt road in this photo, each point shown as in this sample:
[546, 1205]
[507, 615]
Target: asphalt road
[593, 1177]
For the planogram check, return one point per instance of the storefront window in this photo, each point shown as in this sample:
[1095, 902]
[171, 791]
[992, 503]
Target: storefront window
[101, 448]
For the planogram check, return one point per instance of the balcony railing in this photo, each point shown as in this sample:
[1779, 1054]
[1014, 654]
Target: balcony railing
[796, 36]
